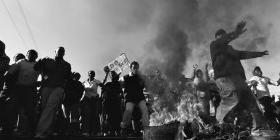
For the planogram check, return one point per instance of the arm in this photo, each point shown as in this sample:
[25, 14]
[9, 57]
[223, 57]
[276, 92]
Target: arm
[235, 34]
[194, 71]
[252, 83]
[4, 65]
[271, 82]
[206, 73]
[68, 73]
[121, 81]
[245, 54]
[84, 92]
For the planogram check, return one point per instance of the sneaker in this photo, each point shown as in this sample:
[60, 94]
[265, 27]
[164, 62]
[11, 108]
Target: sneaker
[263, 133]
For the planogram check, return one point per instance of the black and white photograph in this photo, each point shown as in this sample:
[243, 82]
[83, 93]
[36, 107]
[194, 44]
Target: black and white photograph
[140, 69]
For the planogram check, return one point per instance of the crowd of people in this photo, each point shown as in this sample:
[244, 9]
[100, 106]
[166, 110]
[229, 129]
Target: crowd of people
[42, 98]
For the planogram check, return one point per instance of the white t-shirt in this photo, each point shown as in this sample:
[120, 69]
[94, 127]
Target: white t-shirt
[91, 88]
[262, 86]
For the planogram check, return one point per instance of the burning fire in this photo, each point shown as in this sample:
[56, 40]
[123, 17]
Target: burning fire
[185, 110]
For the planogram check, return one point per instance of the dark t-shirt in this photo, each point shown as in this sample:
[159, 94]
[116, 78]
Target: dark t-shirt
[73, 92]
[112, 91]
[54, 72]
[133, 87]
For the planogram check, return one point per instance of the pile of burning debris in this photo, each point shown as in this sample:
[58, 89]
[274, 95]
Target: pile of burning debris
[175, 115]
[195, 131]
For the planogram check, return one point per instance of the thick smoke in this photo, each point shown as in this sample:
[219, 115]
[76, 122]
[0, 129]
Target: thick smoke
[198, 20]
[185, 29]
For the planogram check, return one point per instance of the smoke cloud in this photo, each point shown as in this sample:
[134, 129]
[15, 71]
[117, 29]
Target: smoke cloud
[185, 28]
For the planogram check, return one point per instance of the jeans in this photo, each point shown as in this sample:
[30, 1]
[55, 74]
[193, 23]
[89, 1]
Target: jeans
[72, 112]
[51, 101]
[235, 91]
[90, 115]
[113, 110]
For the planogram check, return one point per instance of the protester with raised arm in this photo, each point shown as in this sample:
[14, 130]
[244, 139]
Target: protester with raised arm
[230, 77]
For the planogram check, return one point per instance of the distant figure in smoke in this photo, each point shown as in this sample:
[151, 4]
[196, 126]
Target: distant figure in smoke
[133, 87]
[55, 73]
[212, 89]
[259, 85]
[202, 93]
[230, 77]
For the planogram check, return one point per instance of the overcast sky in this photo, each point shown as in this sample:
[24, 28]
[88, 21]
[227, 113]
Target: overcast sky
[94, 32]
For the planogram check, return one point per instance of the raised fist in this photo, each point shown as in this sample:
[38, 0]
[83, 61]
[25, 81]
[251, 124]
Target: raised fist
[240, 26]
[195, 66]
[106, 69]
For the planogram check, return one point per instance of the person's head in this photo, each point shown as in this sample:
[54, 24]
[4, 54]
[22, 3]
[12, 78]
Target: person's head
[59, 52]
[199, 73]
[114, 76]
[157, 72]
[2, 48]
[18, 57]
[32, 55]
[91, 74]
[257, 71]
[76, 76]
[134, 67]
[220, 33]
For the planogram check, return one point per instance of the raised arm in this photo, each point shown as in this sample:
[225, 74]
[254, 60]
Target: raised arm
[194, 71]
[245, 54]
[270, 82]
[235, 34]
[206, 72]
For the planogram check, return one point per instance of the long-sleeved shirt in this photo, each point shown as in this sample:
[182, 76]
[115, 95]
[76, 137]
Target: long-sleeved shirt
[226, 60]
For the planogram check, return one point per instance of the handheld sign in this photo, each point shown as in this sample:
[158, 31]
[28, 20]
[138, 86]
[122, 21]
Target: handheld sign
[119, 63]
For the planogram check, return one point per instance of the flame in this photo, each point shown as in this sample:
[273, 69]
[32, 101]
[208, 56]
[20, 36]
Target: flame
[186, 110]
